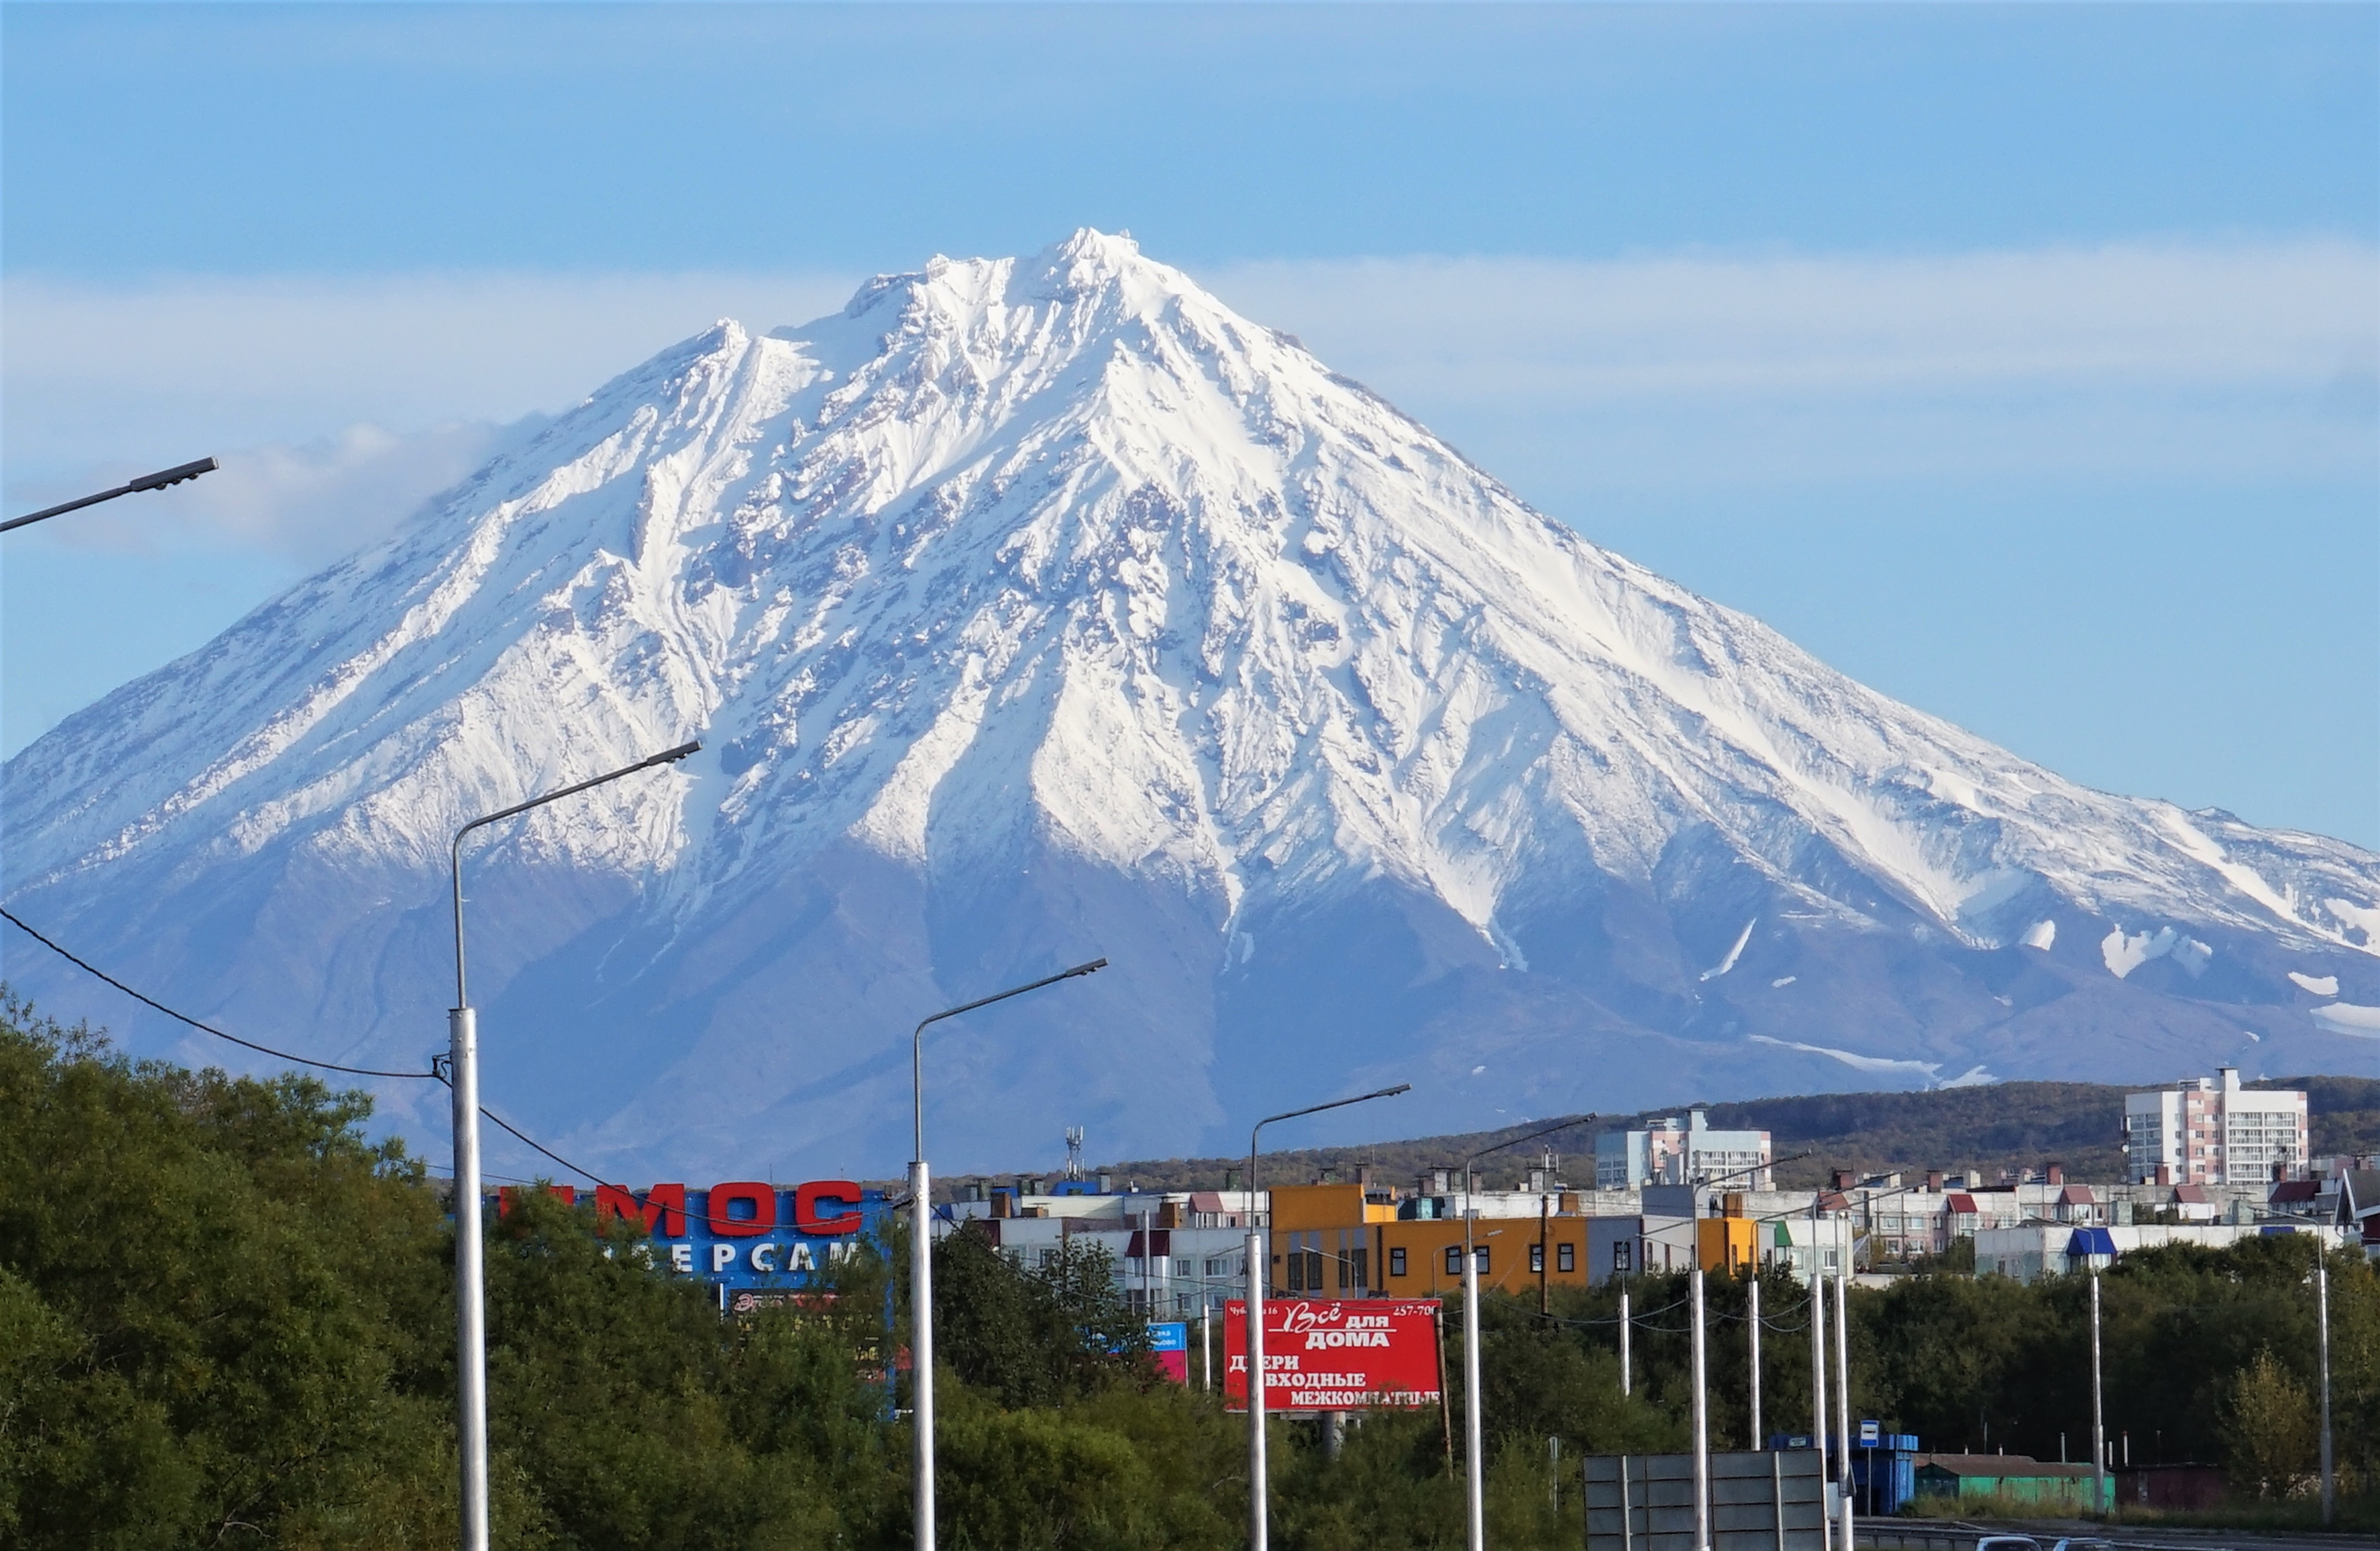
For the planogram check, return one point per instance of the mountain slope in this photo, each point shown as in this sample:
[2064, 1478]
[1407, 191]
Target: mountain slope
[1035, 607]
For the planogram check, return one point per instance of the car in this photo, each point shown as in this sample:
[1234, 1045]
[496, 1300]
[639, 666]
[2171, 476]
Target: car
[2007, 1543]
[2083, 1542]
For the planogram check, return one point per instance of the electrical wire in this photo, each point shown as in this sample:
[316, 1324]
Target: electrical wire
[433, 1076]
[89, 968]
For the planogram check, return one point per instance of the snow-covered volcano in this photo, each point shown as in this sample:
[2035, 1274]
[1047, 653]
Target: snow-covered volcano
[1033, 609]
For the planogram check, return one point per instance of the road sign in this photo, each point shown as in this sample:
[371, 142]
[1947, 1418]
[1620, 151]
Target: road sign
[1869, 1433]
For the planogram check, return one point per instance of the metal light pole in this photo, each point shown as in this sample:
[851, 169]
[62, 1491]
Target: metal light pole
[2322, 1318]
[1474, 1449]
[1474, 1464]
[1843, 1380]
[1702, 1411]
[2098, 1415]
[1751, 1322]
[157, 481]
[1818, 1366]
[463, 1057]
[1259, 1266]
[921, 1255]
[1624, 1323]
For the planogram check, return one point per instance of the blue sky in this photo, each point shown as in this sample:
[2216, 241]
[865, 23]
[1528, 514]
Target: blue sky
[2023, 361]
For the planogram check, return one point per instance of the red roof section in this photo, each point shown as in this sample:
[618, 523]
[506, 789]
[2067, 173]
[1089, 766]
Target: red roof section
[1959, 1201]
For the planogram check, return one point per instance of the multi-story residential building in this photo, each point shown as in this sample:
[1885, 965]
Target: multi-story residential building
[2210, 1131]
[1671, 1152]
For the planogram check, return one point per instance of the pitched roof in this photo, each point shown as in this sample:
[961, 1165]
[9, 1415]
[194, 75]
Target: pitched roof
[1961, 1202]
[2291, 1191]
[2077, 1195]
[2362, 1187]
[2194, 1195]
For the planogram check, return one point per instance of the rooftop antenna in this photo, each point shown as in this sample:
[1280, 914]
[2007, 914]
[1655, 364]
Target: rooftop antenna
[1073, 1152]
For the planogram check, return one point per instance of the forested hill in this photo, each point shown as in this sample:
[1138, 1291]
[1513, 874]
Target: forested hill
[2003, 1125]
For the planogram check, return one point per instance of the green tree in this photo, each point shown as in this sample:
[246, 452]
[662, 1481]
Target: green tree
[2269, 1419]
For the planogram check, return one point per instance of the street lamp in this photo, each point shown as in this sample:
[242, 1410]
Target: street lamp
[470, 1288]
[1259, 1266]
[921, 1253]
[157, 481]
[1474, 1464]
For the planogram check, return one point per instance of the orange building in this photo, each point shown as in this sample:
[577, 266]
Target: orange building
[1350, 1241]
[1356, 1240]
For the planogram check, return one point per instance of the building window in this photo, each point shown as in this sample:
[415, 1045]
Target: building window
[1622, 1254]
[1397, 1261]
[1536, 1258]
[1565, 1257]
[1305, 1262]
[1454, 1260]
[1479, 1254]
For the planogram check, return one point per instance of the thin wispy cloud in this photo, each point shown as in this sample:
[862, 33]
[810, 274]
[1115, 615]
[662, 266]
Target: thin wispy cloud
[1697, 370]
[339, 404]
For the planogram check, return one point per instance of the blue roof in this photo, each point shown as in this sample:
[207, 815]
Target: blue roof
[2090, 1241]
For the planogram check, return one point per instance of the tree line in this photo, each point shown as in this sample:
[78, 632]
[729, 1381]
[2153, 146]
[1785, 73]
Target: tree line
[226, 1319]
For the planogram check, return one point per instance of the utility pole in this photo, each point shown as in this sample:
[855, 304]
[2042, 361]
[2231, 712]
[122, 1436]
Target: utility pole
[1701, 1414]
[1751, 1323]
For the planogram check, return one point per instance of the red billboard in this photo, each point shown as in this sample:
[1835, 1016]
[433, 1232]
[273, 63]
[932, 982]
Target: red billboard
[1336, 1354]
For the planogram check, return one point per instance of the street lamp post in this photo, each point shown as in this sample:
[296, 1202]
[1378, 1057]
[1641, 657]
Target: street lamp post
[2322, 1317]
[1843, 1379]
[1474, 1448]
[2098, 1411]
[157, 481]
[470, 1288]
[921, 1253]
[1259, 1264]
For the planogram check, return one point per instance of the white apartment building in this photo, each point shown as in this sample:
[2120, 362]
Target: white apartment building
[2210, 1131]
[1670, 1152]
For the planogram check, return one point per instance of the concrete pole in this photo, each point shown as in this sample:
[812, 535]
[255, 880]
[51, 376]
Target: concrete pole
[1702, 1413]
[2098, 1413]
[1474, 1464]
[1818, 1377]
[921, 1346]
[1751, 1322]
[1843, 1379]
[1258, 1266]
[2322, 1320]
[470, 1286]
